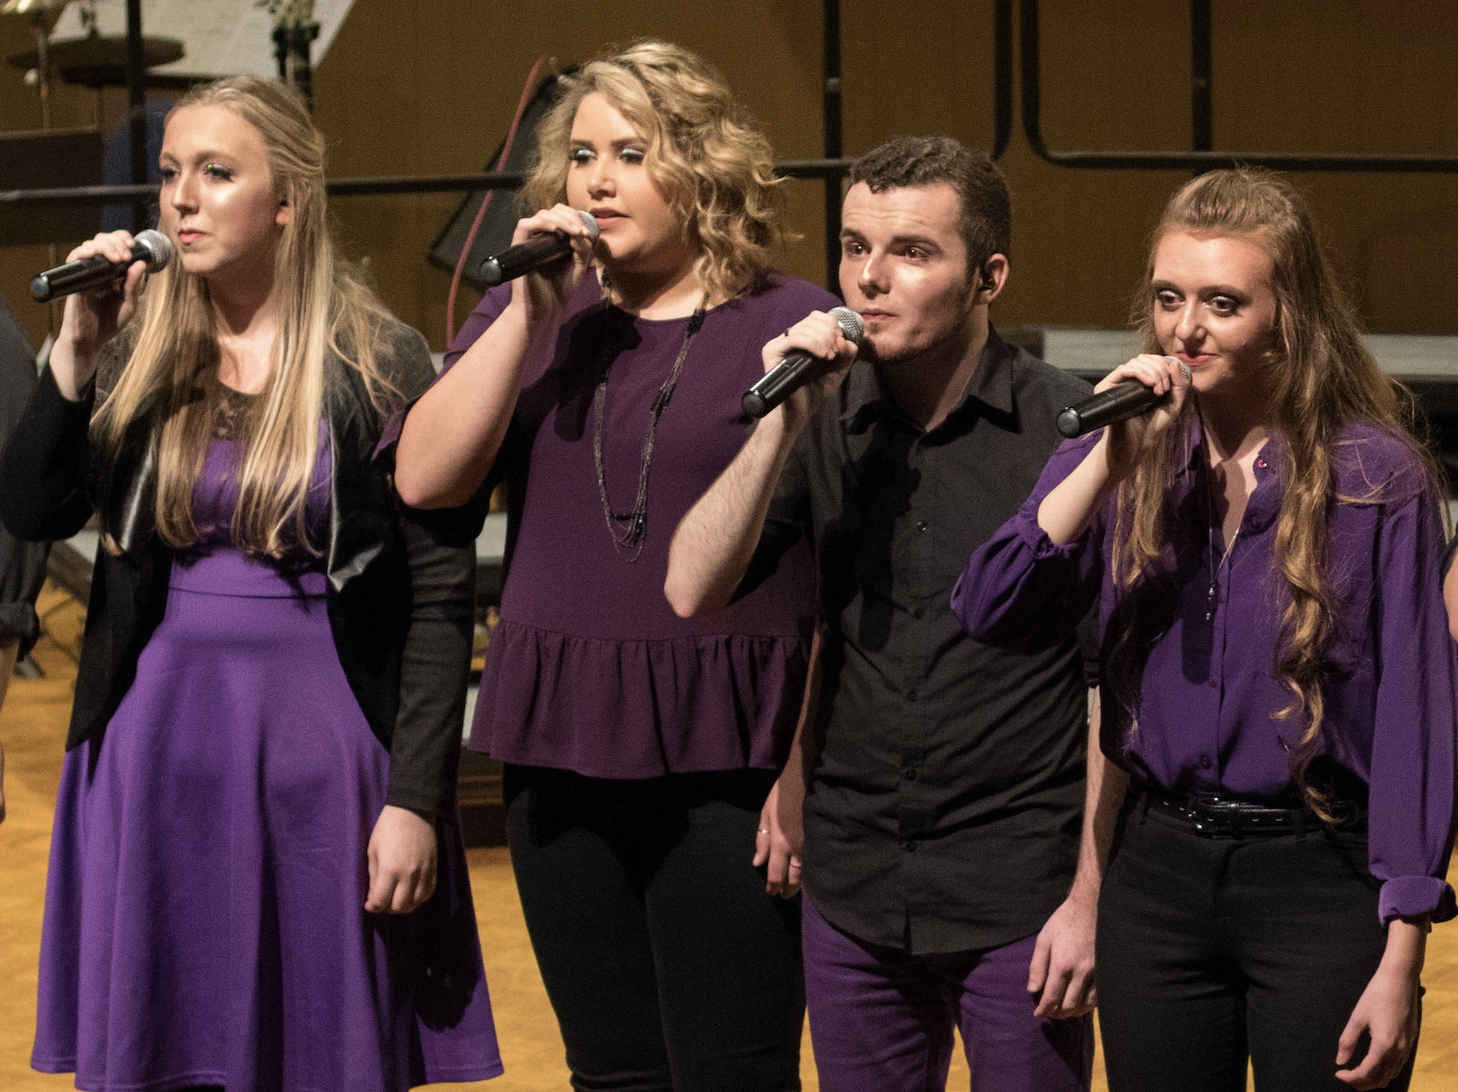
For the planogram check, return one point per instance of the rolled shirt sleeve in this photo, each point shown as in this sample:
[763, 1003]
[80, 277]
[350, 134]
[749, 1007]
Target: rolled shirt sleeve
[1413, 770]
[1019, 588]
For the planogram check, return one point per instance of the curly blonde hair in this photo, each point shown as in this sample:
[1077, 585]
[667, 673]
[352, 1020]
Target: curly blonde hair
[705, 154]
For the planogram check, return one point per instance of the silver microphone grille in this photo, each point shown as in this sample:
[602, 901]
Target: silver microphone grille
[589, 223]
[158, 247]
[851, 325]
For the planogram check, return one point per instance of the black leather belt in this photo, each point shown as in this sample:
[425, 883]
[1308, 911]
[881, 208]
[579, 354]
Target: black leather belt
[1214, 815]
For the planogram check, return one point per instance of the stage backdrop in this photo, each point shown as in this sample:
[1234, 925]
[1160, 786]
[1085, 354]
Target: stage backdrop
[427, 87]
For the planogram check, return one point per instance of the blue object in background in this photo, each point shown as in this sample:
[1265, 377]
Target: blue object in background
[116, 163]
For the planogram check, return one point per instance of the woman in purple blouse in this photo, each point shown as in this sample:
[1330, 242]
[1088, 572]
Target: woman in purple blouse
[639, 746]
[1279, 682]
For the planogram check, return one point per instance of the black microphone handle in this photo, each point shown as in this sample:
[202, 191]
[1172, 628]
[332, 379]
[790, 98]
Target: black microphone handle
[778, 383]
[522, 258]
[73, 277]
[538, 251]
[790, 373]
[1120, 402]
[149, 246]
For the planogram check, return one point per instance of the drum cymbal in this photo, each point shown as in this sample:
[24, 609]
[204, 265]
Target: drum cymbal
[97, 60]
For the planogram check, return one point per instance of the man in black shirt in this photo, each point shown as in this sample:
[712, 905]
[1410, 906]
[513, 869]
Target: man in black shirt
[949, 878]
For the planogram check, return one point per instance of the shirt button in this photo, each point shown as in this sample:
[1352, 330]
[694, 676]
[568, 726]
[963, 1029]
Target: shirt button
[1213, 684]
[921, 525]
[1205, 762]
[918, 613]
[910, 847]
[911, 695]
[909, 774]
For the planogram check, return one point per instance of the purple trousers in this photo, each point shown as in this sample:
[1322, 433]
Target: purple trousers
[882, 1019]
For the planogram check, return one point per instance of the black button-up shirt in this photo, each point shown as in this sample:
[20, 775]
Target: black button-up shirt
[944, 807]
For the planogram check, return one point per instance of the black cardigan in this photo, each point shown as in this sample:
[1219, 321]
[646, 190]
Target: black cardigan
[399, 581]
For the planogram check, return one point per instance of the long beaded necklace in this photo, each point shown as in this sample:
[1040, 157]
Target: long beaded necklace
[629, 529]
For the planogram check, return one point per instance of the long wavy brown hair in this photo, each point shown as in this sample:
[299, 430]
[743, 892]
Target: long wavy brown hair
[706, 155]
[1319, 377]
[322, 306]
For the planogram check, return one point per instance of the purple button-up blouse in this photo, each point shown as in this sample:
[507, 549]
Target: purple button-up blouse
[1209, 694]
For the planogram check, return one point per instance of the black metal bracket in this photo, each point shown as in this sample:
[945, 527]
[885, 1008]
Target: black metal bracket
[1191, 160]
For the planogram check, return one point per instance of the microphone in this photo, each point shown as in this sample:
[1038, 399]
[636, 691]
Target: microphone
[536, 253]
[1120, 402]
[790, 374]
[148, 246]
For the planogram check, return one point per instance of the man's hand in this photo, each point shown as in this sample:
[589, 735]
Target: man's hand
[1062, 971]
[402, 862]
[781, 836]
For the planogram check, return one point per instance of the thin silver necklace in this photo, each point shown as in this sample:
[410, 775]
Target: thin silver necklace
[1217, 560]
[629, 529]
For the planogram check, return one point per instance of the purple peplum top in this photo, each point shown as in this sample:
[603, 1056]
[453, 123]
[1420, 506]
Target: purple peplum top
[589, 669]
[1206, 718]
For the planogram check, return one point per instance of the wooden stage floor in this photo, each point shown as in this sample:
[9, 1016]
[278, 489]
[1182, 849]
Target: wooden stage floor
[32, 729]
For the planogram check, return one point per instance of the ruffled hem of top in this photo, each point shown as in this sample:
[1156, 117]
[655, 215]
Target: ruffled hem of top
[1414, 896]
[613, 708]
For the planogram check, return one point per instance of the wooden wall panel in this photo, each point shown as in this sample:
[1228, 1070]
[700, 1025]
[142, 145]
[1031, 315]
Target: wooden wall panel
[427, 87]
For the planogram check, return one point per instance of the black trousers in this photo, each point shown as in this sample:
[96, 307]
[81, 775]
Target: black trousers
[667, 964]
[1214, 949]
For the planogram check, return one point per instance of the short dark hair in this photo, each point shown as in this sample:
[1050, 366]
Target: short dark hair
[986, 223]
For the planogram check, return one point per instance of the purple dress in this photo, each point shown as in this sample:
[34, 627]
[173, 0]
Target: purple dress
[204, 918]
[590, 670]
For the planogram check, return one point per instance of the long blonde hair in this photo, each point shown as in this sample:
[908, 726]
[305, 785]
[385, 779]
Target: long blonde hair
[706, 155]
[322, 307]
[1319, 377]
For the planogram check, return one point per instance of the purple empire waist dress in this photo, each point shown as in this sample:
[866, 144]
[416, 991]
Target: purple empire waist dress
[204, 918]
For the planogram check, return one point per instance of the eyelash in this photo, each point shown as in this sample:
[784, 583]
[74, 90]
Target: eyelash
[213, 170]
[1222, 306]
[579, 156]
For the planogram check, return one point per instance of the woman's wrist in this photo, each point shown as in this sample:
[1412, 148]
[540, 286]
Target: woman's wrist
[1407, 940]
[72, 366]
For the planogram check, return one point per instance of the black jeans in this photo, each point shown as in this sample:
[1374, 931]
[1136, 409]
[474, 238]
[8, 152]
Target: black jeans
[667, 964]
[1212, 949]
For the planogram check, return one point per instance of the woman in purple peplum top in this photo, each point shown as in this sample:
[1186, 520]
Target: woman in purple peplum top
[639, 747]
[256, 880]
[1279, 682]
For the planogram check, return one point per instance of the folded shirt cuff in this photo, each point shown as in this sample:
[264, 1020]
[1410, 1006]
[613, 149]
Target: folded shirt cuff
[1036, 539]
[1413, 896]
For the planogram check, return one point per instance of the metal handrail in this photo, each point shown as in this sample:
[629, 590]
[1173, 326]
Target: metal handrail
[1193, 160]
[361, 187]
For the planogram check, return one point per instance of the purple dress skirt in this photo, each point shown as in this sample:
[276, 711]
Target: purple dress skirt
[204, 918]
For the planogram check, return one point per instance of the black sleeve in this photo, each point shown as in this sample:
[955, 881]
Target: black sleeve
[22, 564]
[435, 665]
[44, 466]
